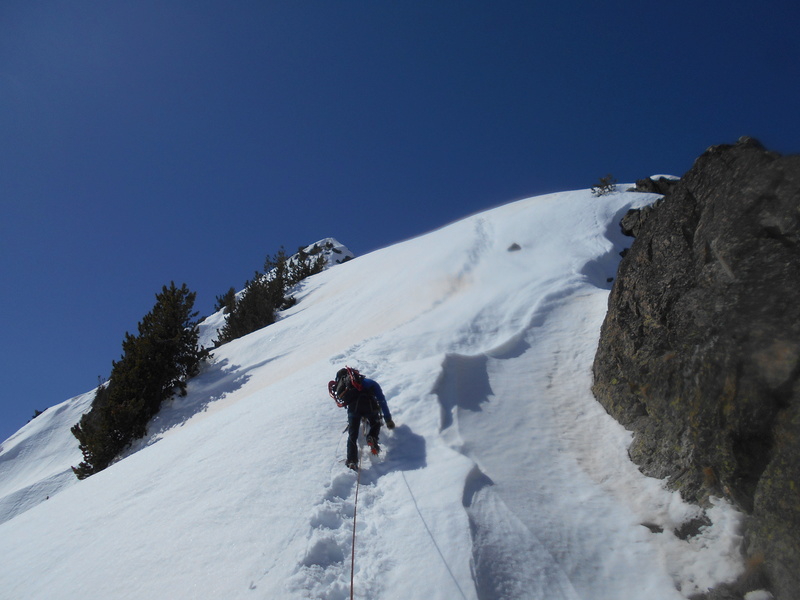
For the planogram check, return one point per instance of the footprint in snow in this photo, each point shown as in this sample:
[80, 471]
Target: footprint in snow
[324, 570]
[341, 487]
[327, 516]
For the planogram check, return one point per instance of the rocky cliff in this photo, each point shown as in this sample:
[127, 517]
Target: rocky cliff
[700, 351]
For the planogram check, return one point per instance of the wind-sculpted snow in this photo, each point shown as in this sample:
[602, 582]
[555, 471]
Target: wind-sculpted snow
[502, 417]
[503, 478]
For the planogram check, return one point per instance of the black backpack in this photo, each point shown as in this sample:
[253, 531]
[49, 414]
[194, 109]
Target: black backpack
[348, 388]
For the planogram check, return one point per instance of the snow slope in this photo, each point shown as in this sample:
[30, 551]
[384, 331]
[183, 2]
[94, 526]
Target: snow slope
[504, 478]
[35, 461]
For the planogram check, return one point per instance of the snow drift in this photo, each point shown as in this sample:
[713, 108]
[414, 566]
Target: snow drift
[503, 479]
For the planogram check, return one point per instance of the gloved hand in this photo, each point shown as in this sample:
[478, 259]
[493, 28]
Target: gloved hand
[389, 423]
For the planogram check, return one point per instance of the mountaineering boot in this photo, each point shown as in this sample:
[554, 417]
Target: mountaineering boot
[351, 464]
[373, 444]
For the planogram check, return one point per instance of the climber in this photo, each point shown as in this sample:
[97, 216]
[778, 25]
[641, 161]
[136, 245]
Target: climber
[363, 399]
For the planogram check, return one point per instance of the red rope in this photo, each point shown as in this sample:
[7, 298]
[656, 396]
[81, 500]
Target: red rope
[332, 392]
[354, 379]
[353, 551]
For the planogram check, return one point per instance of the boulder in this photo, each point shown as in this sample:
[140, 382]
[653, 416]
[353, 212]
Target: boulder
[699, 353]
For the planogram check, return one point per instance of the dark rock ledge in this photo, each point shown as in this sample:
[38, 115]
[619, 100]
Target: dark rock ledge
[699, 353]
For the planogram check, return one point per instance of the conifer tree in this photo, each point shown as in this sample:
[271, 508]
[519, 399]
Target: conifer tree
[226, 302]
[262, 298]
[305, 265]
[254, 309]
[265, 294]
[606, 185]
[155, 365]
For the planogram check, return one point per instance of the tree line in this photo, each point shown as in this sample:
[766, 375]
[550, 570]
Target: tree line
[158, 362]
[266, 293]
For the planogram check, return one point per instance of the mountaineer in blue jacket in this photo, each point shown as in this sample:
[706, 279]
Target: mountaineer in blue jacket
[363, 399]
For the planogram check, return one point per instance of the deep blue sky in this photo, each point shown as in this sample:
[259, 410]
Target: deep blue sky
[143, 142]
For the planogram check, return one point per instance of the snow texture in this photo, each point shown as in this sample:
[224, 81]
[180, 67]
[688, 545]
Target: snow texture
[503, 479]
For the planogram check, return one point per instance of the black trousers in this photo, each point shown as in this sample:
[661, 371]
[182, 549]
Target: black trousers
[353, 423]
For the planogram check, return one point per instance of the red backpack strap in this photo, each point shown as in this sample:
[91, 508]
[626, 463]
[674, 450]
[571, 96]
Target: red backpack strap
[355, 378]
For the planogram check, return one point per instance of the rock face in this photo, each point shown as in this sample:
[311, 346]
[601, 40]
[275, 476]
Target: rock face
[700, 351]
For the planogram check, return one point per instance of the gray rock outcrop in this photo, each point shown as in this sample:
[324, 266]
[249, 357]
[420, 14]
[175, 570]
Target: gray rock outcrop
[700, 350]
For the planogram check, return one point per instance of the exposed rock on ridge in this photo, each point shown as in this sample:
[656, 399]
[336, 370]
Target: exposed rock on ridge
[700, 351]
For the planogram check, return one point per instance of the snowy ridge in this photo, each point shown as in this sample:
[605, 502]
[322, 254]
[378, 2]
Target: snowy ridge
[334, 252]
[503, 478]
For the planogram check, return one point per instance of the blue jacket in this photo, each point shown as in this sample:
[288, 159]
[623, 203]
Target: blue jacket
[371, 386]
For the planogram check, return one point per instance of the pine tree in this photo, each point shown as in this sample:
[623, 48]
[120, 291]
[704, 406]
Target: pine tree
[253, 310]
[155, 365]
[262, 298]
[305, 265]
[606, 185]
[266, 293]
[226, 302]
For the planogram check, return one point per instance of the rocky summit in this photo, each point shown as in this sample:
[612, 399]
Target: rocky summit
[700, 350]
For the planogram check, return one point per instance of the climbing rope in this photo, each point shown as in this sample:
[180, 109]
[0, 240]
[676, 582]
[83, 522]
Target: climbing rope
[430, 535]
[364, 425]
[353, 550]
